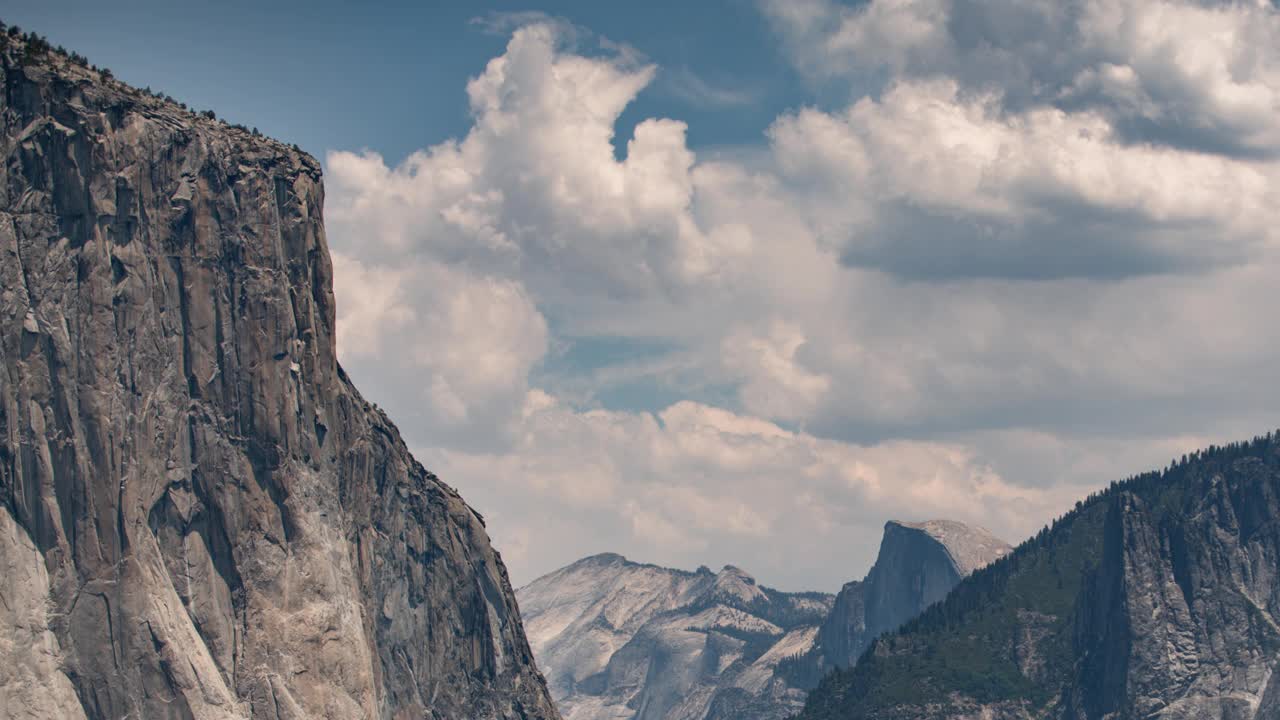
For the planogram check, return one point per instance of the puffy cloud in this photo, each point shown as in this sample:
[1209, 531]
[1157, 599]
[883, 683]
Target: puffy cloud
[1163, 353]
[828, 39]
[775, 382]
[447, 352]
[946, 185]
[1196, 75]
[535, 190]
[371, 306]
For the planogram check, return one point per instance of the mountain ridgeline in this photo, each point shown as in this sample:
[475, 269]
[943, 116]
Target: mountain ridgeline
[1159, 597]
[620, 640]
[200, 516]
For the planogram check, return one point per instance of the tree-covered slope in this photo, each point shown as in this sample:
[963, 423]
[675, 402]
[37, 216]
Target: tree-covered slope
[1157, 597]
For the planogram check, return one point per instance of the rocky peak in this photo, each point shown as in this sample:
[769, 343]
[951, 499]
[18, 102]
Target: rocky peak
[969, 546]
[606, 559]
[917, 565]
[734, 585]
[620, 639]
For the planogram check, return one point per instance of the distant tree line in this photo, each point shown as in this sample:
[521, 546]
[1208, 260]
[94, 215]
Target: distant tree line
[37, 47]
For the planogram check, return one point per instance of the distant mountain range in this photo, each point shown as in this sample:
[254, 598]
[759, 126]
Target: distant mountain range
[1156, 598]
[619, 640]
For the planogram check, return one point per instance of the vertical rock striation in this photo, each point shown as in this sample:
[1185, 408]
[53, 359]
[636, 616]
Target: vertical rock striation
[200, 517]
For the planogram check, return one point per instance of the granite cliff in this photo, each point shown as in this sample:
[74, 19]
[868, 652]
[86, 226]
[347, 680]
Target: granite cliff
[1159, 597]
[200, 516]
[918, 564]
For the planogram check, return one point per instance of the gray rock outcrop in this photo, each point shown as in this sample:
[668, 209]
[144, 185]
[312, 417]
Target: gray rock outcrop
[621, 640]
[1179, 619]
[200, 516]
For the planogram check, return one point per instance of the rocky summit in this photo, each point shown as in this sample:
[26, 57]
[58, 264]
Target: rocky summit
[1157, 598]
[918, 564]
[200, 516]
[620, 640]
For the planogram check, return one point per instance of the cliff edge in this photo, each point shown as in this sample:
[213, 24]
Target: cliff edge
[200, 516]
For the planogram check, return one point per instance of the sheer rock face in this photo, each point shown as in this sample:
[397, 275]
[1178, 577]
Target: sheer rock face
[1159, 597]
[917, 566]
[621, 640]
[200, 517]
[1180, 616]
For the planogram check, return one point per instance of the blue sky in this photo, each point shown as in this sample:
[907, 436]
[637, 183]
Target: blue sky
[390, 76]
[737, 282]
